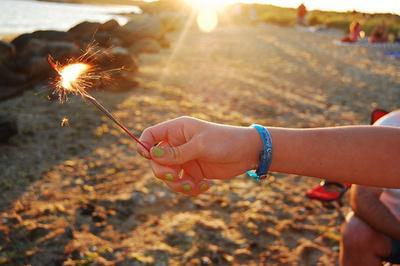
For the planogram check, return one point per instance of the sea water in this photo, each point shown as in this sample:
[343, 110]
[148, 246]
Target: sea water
[20, 16]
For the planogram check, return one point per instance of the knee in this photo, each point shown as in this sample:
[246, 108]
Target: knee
[356, 233]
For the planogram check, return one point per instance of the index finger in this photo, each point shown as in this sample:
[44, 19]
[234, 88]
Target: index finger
[153, 135]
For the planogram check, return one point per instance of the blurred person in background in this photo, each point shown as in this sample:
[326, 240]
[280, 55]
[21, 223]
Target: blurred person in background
[301, 15]
[354, 32]
[380, 34]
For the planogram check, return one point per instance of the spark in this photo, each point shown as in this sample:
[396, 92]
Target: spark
[65, 122]
[78, 76]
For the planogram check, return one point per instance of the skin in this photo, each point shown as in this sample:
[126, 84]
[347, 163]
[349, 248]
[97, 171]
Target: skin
[194, 151]
[365, 238]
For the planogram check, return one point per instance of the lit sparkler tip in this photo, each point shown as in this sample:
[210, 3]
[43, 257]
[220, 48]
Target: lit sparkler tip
[75, 78]
[72, 74]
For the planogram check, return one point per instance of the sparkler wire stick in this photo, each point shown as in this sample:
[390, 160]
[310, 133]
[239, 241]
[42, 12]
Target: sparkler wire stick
[115, 120]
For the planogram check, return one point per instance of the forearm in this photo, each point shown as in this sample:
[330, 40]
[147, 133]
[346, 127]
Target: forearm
[371, 210]
[367, 155]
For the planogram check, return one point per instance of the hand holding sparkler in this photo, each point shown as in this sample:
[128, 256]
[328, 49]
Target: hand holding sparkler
[198, 151]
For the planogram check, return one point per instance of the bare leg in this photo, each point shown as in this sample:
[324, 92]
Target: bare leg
[361, 244]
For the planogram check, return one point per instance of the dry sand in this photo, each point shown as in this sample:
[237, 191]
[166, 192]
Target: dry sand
[81, 193]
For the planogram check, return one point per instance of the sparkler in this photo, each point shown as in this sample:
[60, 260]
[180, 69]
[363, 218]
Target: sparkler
[75, 78]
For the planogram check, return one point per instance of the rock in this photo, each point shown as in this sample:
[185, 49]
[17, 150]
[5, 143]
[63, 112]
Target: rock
[104, 39]
[9, 77]
[38, 68]
[48, 35]
[110, 26]
[33, 59]
[8, 128]
[146, 45]
[85, 28]
[141, 26]
[144, 26]
[61, 50]
[7, 50]
[118, 57]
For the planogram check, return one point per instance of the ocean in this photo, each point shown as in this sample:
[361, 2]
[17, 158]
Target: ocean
[20, 16]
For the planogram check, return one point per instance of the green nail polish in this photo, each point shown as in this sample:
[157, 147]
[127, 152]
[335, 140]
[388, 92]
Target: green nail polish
[158, 152]
[186, 187]
[169, 177]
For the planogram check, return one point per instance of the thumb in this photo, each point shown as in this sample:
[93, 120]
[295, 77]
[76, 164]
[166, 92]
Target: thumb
[166, 154]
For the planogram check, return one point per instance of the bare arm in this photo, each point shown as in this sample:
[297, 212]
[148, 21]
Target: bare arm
[189, 152]
[366, 205]
[367, 155]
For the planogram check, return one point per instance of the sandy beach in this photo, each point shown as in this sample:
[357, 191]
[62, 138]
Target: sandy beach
[81, 194]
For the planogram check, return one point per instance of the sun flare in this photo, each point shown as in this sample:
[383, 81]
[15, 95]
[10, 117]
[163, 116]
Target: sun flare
[207, 20]
[207, 12]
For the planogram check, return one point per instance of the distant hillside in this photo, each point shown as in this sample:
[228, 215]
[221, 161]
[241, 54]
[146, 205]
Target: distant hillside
[340, 20]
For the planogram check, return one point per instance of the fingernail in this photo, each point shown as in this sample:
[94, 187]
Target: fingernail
[186, 187]
[169, 177]
[181, 173]
[158, 152]
[204, 186]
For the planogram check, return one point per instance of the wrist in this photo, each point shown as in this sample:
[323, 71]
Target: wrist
[255, 145]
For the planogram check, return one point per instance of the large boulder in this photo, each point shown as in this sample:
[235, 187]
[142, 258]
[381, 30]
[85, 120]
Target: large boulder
[7, 50]
[38, 68]
[47, 35]
[40, 48]
[102, 34]
[9, 77]
[32, 61]
[109, 26]
[85, 28]
[141, 26]
[117, 57]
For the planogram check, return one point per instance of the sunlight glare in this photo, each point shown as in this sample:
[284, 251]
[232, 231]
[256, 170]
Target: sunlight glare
[207, 20]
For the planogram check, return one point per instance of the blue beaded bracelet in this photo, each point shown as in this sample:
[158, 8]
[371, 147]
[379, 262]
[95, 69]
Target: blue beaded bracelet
[265, 156]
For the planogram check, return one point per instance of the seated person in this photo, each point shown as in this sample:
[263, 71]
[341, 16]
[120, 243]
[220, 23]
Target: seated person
[372, 231]
[371, 234]
[379, 34]
[354, 32]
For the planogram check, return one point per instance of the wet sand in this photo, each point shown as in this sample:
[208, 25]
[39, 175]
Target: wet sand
[80, 193]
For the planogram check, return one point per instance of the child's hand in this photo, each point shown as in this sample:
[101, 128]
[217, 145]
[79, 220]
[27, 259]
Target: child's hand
[190, 152]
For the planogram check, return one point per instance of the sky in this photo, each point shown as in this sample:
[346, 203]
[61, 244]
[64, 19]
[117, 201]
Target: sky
[370, 6]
